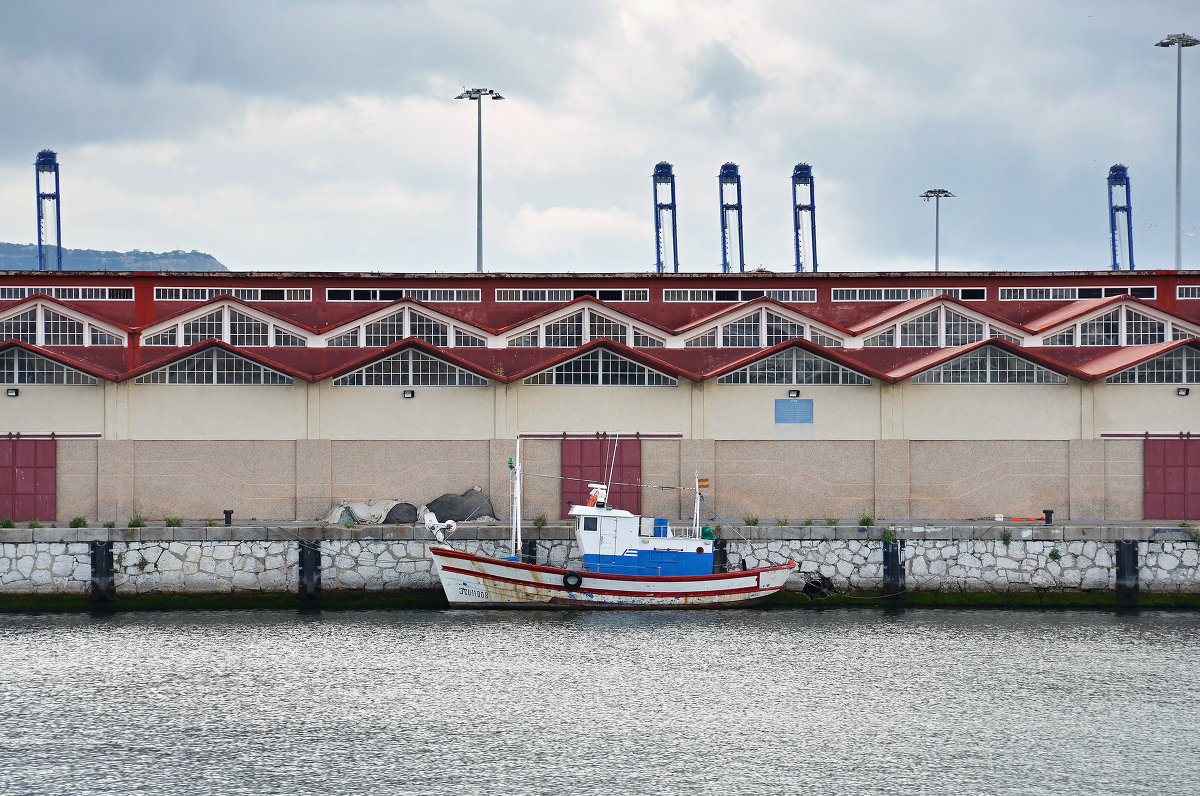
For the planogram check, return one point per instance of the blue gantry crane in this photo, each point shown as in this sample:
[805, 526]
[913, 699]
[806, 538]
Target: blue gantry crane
[49, 251]
[1121, 238]
[804, 209]
[664, 204]
[729, 184]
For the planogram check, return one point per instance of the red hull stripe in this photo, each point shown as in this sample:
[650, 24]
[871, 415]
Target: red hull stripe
[610, 592]
[449, 553]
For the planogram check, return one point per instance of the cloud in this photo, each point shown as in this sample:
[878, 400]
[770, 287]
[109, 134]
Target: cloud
[722, 78]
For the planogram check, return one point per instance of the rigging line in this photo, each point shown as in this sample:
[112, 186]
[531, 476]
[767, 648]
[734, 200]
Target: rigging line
[617, 483]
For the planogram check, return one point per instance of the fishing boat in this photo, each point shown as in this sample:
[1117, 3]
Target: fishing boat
[629, 562]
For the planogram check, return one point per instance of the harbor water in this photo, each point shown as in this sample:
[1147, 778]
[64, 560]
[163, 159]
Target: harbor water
[738, 702]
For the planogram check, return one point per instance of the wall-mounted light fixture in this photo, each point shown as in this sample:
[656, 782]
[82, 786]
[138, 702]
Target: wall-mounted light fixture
[12, 392]
[793, 393]
[410, 393]
[1181, 391]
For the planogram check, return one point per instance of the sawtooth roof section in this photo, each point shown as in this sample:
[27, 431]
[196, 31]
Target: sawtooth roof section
[939, 356]
[1110, 360]
[838, 356]
[1074, 309]
[82, 308]
[251, 354]
[106, 366]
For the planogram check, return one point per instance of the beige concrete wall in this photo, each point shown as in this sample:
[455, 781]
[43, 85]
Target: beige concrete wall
[373, 413]
[214, 412]
[892, 479]
[46, 408]
[793, 480]
[747, 411]
[961, 479]
[413, 471]
[990, 411]
[582, 409]
[1139, 408]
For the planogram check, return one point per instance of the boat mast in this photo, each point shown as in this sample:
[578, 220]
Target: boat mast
[516, 503]
[696, 509]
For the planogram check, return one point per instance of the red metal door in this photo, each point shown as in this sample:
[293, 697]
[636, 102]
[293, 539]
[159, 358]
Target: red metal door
[28, 479]
[587, 460]
[1172, 470]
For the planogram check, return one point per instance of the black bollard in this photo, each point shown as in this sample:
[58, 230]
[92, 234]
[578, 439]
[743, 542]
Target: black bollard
[1127, 570]
[310, 569]
[893, 566]
[529, 551]
[1049, 514]
[229, 516]
[104, 582]
[720, 556]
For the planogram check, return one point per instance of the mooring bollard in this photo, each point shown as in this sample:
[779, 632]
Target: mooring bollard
[104, 582]
[1049, 515]
[720, 556]
[529, 551]
[310, 568]
[1127, 570]
[893, 566]
[229, 516]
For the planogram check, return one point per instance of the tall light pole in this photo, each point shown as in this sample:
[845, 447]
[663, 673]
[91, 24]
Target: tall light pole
[477, 94]
[936, 194]
[1178, 41]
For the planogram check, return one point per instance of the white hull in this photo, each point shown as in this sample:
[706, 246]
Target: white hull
[479, 581]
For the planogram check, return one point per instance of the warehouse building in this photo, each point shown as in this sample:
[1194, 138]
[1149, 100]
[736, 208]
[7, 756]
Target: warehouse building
[916, 395]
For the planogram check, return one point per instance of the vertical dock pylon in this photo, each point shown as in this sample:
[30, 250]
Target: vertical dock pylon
[729, 181]
[1122, 244]
[664, 203]
[48, 212]
[804, 202]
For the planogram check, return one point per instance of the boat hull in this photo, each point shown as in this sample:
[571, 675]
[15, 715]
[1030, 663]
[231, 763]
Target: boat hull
[473, 581]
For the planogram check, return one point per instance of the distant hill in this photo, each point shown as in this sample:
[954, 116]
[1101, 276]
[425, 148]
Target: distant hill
[24, 257]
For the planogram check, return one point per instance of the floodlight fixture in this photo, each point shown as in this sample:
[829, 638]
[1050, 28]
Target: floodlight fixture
[1178, 41]
[937, 195]
[477, 94]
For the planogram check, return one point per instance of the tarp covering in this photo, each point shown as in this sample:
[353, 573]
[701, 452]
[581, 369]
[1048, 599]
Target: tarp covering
[369, 512]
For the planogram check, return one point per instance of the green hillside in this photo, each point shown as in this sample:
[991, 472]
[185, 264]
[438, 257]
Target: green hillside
[24, 257]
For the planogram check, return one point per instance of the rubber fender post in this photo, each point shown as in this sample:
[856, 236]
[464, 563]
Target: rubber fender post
[572, 580]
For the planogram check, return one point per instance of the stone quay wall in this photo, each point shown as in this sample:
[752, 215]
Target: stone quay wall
[248, 559]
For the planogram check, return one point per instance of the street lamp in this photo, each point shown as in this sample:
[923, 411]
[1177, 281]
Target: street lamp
[477, 94]
[936, 194]
[1178, 41]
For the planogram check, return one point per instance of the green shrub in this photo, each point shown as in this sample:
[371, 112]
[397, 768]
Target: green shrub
[78, 522]
[831, 521]
[1006, 537]
[717, 527]
[539, 521]
[136, 521]
[110, 524]
[174, 522]
[888, 536]
[6, 522]
[750, 519]
[866, 520]
[35, 524]
[808, 521]
[781, 522]
[1055, 555]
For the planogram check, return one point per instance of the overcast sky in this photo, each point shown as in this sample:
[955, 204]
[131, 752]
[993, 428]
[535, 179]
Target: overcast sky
[324, 135]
